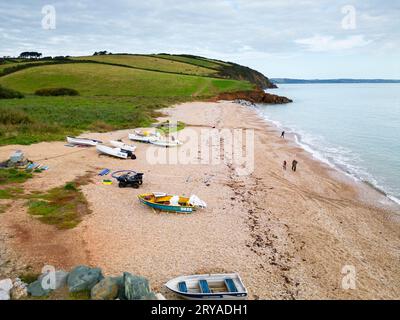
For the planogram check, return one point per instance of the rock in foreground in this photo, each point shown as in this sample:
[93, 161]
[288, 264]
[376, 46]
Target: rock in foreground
[136, 287]
[83, 278]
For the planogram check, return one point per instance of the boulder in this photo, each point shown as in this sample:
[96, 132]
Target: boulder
[136, 287]
[5, 287]
[106, 289]
[83, 278]
[35, 289]
[60, 279]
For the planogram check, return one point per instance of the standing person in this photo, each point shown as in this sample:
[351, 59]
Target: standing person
[283, 134]
[294, 165]
[284, 165]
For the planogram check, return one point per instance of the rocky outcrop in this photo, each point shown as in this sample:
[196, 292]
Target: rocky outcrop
[255, 96]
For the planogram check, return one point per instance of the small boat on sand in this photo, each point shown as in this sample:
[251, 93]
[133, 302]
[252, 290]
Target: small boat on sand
[83, 141]
[142, 137]
[227, 286]
[123, 146]
[165, 202]
[115, 152]
[167, 143]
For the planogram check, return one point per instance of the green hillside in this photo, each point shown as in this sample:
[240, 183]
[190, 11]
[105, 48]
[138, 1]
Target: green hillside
[152, 63]
[115, 92]
[105, 80]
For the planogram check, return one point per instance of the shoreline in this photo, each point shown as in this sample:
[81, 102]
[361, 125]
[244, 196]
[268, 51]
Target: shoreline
[287, 234]
[391, 202]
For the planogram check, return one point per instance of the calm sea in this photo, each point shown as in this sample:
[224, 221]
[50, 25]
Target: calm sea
[354, 127]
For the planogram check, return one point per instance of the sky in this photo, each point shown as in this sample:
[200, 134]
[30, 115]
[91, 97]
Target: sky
[281, 38]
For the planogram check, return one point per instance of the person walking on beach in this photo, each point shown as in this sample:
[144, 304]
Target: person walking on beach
[284, 165]
[294, 165]
[283, 134]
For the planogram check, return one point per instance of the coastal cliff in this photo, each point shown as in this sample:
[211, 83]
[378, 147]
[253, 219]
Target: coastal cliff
[255, 96]
[238, 72]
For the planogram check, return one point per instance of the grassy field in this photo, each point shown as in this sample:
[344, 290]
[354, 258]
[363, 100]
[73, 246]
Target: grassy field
[111, 97]
[36, 119]
[152, 63]
[206, 63]
[104, 80]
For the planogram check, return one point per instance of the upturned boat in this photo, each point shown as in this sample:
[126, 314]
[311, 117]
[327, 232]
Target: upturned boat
[83, 141]
[164, 202]
[227, 286]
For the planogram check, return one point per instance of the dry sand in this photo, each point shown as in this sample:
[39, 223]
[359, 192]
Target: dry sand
[288, 234]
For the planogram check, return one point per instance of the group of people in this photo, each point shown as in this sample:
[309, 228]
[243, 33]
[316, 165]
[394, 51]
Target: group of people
[294, 165]
[294, 162]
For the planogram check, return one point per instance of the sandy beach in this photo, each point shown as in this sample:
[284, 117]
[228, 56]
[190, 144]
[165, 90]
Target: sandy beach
[289, 235]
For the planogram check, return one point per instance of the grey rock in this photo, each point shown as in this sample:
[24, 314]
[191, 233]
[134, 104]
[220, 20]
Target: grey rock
[136, 287]
[35, 289]
[83, 278]
[5, 287]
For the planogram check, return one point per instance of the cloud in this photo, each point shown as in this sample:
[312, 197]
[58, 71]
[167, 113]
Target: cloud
[257, 33]
[319, 43]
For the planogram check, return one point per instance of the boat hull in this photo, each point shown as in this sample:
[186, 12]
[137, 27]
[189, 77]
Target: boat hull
[144, 139]
[167, 208]
[167, 144]
[122, 146]
[215, 281]
[114, 152]
[83, 141]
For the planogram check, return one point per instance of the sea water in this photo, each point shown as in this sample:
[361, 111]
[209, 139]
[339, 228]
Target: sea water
[353, 127]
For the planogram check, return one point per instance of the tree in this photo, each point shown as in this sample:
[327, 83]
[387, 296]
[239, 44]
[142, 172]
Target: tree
[30, 55]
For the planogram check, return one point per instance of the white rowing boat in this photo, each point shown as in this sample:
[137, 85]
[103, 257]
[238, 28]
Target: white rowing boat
[115, 152]
[123, 146]
[83, 141]
[166, 143]
[227, 286]
[142, 138]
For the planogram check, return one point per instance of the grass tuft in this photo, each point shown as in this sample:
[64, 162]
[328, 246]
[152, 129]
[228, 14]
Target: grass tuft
[12, 175]
[29, 277]
[63, 206]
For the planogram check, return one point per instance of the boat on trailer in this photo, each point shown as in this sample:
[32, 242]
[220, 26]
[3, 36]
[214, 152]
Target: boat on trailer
[123, 146]
[165, 202]
[224, 286]
[83, 141]
[115, 152]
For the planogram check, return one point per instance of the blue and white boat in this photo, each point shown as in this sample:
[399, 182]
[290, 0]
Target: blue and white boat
[227, 286]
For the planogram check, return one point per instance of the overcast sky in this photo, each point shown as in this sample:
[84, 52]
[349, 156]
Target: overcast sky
[281, 38]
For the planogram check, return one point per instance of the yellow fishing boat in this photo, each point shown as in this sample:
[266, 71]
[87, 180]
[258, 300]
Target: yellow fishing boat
[170, 203]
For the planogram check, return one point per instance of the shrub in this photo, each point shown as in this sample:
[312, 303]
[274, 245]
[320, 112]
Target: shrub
[56, 92]
[9, 93]
[14, 117]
